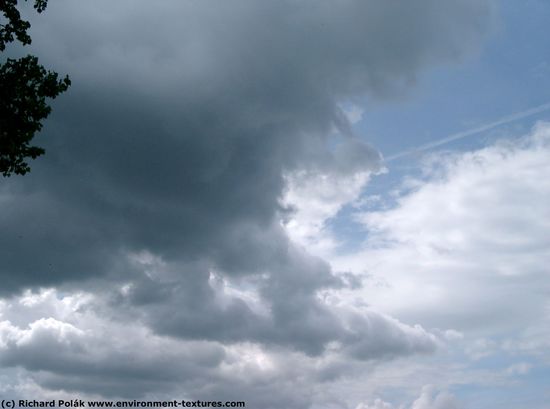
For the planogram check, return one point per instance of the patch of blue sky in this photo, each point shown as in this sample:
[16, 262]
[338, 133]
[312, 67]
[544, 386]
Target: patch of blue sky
[500, 379]
[518, 392]
[508, 75]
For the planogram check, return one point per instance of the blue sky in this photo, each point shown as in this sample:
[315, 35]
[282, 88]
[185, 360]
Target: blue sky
[507, 75]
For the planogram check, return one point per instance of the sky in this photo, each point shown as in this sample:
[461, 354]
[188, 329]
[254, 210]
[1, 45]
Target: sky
[296, 204]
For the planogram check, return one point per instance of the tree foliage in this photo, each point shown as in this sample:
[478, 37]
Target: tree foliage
[24, 87]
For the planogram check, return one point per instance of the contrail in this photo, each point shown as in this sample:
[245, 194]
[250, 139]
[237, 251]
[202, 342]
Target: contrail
[473, 131]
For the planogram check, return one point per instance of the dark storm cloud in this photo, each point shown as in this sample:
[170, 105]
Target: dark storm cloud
[174, 139]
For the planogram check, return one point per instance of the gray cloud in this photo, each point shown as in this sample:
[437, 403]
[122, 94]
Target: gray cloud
[156, 153]
[93, 356]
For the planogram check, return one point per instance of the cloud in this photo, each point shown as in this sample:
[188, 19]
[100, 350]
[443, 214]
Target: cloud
[162, 192]
[521, 368]
[377, 404]
[429, 398]
[95, 356]
[151, 152]
[283, 309]
[91, 355]
[317, 194]
[464, 240]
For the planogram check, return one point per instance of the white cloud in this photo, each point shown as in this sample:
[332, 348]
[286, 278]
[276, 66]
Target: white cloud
[316, 193]
[521, 368]
[377, 404]
[315, 198]
[429, 398]
[481, 348]
[354, 113]
[467, 247]
[464, 252]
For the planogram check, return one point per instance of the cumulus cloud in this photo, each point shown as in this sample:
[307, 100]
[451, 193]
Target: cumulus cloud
[464, 241]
